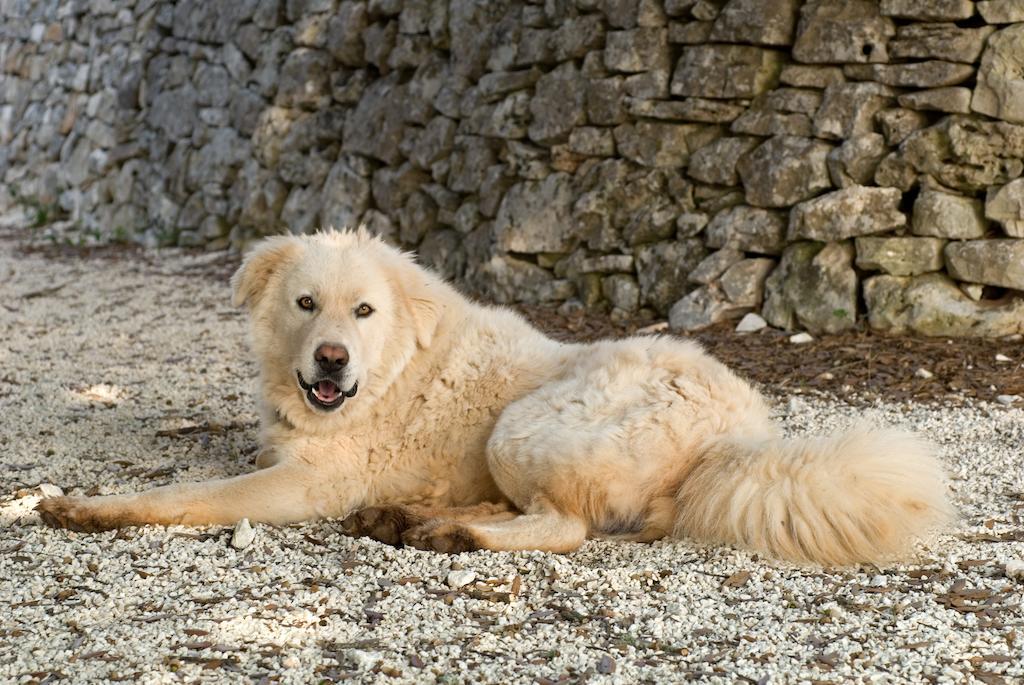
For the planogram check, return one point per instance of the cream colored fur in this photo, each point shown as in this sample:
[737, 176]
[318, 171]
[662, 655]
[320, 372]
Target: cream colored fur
[460, 404]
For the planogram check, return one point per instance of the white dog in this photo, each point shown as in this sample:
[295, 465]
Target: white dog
[425, 419]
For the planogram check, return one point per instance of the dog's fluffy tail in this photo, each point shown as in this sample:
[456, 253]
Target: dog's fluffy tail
[860, 497]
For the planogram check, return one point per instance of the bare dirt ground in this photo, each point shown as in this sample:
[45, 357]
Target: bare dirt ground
[122, 369]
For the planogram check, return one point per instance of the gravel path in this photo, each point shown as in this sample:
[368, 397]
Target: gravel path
[125, 373]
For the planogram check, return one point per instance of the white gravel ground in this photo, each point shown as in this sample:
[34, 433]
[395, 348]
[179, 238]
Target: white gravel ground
[104, 362]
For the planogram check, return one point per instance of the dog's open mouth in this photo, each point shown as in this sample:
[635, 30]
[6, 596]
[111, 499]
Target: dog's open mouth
[325, 393]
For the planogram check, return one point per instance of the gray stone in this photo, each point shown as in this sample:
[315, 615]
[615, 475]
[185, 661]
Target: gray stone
[842, 31]
[622, 292]
[662, 269]
[701, 308]
[747, 228]
[577, 36]
[929, 74]
[592, 141]
[216, 161]
[557, 105]
[417, 217]
[346, 195]
[715, 162]
[928, 10]
[434, 142]
[785, 170]
[495, 183]
[537, 217]
[855, 161]
[506, 118]
[998, 262]
[392, 186]
[1006, 205]
[743, 282]
[301, 211]
[381, 225]
[897, 123]
[714, 265]
[966, 153]
[944, 215]
[811, 75]
[726, 71]
[378, 42]
[813, 288]
[376, 126]
[303, 168]
[659, 144]
[761, 22]
[690, 109]
[956, 99]
[999, 91]
[1001, 11]
[304, 79]
[648, 85]
[505, 280]
[636, 50]
[848, 109]
[606, 264]
[174, 112]
[900, 256]
[894, 171]
[939, 41]
[690, 32]
[604, 101]
[846, 213]
[689, 224]
[933, 305]
[440, 250]
[470, 159]
[765, 122]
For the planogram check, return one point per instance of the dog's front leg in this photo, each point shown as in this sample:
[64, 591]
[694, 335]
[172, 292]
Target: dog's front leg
[285, 493]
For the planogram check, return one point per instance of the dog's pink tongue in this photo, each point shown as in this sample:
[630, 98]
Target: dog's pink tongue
[327, 391]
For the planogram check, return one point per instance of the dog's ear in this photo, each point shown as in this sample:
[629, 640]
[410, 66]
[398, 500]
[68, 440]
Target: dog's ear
[426, 315]
[267, 258]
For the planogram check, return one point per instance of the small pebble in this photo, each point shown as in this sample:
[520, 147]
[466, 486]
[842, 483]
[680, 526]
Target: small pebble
[924, 373]
[795, 406]
[1007, 400]
[289, 661]
[801, 338]
[658, 327]
[49, 490]
[750, 323]
[457, 579]
[1002, 358]
[244, 535]
[1015, 569]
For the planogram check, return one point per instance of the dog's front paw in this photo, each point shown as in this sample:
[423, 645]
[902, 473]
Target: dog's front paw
[448, 537]
[74, 513]
[384, 524]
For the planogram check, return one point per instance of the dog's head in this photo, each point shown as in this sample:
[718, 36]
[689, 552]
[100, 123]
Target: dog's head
[335, 317]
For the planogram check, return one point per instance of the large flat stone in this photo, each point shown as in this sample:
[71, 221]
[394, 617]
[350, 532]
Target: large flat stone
[933, 305]
[847, 213]
[726, 71]
[999, 91]
[900, 256]
[1006, 205]
[998, 262]
[842, 31]
[785, 170]
[825, 270]
[944, 215]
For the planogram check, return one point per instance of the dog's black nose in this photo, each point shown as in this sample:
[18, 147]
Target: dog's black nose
[331, 357]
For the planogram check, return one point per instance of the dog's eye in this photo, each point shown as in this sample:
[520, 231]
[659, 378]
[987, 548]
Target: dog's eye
[364, 310]
[306, 302]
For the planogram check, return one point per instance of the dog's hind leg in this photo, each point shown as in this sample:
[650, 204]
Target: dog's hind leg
[542, 528]
[388, 523]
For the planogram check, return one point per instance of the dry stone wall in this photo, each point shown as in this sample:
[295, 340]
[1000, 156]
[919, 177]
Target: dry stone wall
[814, 161]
